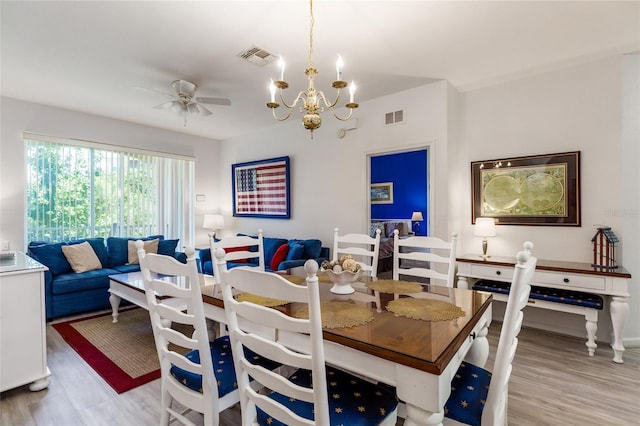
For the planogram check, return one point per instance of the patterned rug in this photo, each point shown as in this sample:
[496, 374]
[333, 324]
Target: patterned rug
[123, 354]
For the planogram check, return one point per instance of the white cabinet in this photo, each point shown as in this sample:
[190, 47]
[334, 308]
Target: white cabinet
[23, 346]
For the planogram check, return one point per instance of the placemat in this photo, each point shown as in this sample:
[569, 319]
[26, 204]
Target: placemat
[394, 286]
[425, 309]
[259, 300]
[340, 314]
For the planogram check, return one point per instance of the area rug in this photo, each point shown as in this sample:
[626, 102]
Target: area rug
[123, 353]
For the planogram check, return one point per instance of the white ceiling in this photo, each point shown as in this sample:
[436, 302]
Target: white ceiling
[89, 56]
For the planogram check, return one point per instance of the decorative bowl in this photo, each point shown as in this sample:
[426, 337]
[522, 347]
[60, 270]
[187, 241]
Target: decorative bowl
[342, 280]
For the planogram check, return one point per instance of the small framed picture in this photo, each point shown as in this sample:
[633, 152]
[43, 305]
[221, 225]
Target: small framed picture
[382, 193]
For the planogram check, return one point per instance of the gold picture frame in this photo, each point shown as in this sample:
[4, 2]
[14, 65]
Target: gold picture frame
[533, 190]
[382, 193]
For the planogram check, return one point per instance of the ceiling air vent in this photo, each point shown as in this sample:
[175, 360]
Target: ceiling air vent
[394, 117]
[257, 56]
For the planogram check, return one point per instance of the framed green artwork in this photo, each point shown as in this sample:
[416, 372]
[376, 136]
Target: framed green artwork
[533, 190]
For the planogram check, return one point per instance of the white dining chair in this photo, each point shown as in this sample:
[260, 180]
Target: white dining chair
[430, 258]
[365, 250]
[195, 373]
[479, 397]
[240, 249]
[312, 393]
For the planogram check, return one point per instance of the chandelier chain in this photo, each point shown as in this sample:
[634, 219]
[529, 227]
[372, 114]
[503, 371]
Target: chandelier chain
[311, 34]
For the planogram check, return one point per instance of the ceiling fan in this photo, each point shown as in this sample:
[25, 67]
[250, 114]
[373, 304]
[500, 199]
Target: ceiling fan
[186, 103]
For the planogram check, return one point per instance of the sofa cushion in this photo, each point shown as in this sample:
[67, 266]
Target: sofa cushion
[311, 248]
[72, 282]
[296, 251]
[270, 245]
[118, 249]
[279, 256]
[52, 257]
[125, 269]
[167, 247]
[97, 243]
[149, 246]
[81, 257]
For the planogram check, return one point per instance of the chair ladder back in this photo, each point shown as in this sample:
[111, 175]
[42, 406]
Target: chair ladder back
[238, 242]
[495, 408]
[241, 317]
[437, 256]
[364, 248]
[167, 299]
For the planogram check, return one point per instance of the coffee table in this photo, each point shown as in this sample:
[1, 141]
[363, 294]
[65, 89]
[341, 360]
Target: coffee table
[130, 287]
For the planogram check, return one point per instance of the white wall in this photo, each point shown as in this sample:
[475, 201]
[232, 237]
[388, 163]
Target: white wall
[329, 178]
[574, 109]
[19, 116]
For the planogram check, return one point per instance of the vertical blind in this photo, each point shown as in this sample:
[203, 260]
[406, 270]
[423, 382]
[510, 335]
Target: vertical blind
[87, 191]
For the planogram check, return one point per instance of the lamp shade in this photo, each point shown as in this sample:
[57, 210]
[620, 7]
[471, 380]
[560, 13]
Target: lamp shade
[213, 221]
[417, 217]
[485, 227]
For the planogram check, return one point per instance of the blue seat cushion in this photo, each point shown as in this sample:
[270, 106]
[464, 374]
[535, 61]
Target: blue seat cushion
[72, 282]
[352, 401]
[568, 297]
[469, 390]
[223, 367]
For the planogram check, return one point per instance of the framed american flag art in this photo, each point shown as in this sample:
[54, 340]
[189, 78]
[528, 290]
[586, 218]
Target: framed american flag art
[261, 188]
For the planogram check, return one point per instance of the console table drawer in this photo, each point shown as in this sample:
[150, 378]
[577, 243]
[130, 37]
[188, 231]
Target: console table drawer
[492, 272]
[569, 280]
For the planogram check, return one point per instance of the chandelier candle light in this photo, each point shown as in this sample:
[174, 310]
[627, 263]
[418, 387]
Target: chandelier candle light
[311, 99]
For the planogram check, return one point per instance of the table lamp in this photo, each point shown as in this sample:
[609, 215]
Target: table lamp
[213, 222]
[485, 227]
[416, 218]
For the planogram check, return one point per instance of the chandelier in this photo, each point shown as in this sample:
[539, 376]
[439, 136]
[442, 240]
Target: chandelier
[313, 102]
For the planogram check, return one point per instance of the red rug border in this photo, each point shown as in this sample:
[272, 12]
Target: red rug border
[99, 362]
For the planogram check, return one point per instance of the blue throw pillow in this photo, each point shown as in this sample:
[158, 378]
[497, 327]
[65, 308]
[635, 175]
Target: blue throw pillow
[296, 251]
[51, 256]
[118, 248]
[312, 248]
[167, 247]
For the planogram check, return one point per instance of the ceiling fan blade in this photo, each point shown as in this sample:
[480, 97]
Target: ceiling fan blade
[214, 101]
[166, 105]
[154, 91]
[202, 110]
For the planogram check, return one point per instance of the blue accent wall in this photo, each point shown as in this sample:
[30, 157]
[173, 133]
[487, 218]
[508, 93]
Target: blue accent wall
[408, 172]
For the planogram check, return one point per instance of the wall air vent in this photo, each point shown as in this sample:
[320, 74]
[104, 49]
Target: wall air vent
[257, 56]
[394, 117]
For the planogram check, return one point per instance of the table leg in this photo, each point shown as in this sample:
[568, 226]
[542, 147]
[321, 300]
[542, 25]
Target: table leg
[479, 350]
[619, 312]
[115, 304]
[417, 416]
[463, 283]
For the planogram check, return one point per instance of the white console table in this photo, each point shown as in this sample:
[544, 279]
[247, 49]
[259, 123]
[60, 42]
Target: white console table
[23, 344]
[612, 284]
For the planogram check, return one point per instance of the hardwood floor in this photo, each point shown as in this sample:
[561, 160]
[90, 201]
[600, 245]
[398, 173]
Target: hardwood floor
[553, 383]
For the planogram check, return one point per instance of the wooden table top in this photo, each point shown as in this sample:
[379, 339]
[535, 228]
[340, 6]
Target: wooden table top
[424, 345]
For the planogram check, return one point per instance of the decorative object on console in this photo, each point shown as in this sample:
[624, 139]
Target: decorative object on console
[311, 98]
[416, 218]
[213, 222]
[604, 248]
[534, 190]
[485, 227]
[261, 188]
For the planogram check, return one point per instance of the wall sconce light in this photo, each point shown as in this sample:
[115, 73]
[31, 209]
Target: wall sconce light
[485, 227]
[213, 222]
[416, 218]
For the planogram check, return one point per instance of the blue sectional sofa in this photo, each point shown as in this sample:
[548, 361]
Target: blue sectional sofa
[297, 252]
[68, 292]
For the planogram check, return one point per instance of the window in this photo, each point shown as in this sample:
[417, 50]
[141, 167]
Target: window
[94, 190]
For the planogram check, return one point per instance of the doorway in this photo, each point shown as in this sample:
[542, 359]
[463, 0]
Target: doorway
[408, 173]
